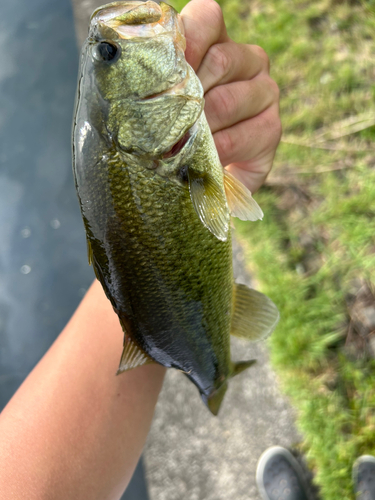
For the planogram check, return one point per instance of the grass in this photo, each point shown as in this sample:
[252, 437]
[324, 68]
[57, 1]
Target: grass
[314, 253]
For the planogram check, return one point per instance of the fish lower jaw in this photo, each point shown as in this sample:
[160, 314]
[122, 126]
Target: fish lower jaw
[162, 157]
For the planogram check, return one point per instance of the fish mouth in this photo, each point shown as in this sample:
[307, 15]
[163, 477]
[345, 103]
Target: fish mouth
[128, 12]
[136, 19]
[180, 90]
[188, 130]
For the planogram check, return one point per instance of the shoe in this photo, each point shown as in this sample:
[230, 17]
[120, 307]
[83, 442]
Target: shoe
[364, 477]
[279, 476]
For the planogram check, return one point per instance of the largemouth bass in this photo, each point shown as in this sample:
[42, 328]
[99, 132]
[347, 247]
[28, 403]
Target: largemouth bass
[156, 202]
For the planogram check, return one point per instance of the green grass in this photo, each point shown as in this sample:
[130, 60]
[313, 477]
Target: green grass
[317, 240]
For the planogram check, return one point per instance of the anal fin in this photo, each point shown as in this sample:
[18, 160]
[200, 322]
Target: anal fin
[95, 266]
[132, 356]
[90, 256]
[241, 203]
[255, 316]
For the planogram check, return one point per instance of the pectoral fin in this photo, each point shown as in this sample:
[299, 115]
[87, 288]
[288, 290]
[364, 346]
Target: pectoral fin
[132, 356]
[210, 203]
[241, 203]
[255, 316]
[96, 267]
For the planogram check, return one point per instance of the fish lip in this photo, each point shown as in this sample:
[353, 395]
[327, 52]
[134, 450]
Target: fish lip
[176, 90]
[132, 19]
[160, 159]
[191, 132]
[123, 8]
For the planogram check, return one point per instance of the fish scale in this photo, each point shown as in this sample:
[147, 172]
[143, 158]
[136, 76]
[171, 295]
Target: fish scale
[171, 248]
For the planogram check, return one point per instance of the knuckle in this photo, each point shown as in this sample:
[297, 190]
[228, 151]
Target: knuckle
[269, 88]
[278, 130]
[225, 145]
[223, 102]
[262, 54]
[274, 125]
[218, 60]
[274, 89]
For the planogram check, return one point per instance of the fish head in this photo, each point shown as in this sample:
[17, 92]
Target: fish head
[150, 97]
[138, 47]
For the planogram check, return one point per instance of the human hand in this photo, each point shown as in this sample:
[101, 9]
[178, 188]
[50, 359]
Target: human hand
[242, 100]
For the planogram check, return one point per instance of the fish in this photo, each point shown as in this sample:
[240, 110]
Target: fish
[156, 202]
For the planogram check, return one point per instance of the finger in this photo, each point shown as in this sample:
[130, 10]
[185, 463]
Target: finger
[250, 138]
[251, 173]
[204, 26]
[229, 104]
[230, 62]
[249, 147]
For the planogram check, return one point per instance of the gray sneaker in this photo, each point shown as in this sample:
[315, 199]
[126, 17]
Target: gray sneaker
[279, 476]
[364, 477]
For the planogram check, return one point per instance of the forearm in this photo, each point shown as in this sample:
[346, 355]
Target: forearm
[74, 429]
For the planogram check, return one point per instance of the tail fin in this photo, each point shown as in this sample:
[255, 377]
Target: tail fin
[214, 400]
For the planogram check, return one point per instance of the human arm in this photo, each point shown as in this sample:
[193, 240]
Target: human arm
[74, 429]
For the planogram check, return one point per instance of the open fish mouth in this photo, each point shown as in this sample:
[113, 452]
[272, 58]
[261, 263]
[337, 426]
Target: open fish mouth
[136, 19]
[129, 12]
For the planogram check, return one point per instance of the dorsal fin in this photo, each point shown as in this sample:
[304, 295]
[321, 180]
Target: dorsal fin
[255, 316]
[210, 203]
[241, 203]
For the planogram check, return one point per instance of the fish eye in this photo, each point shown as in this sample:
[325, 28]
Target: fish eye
[108, 52]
